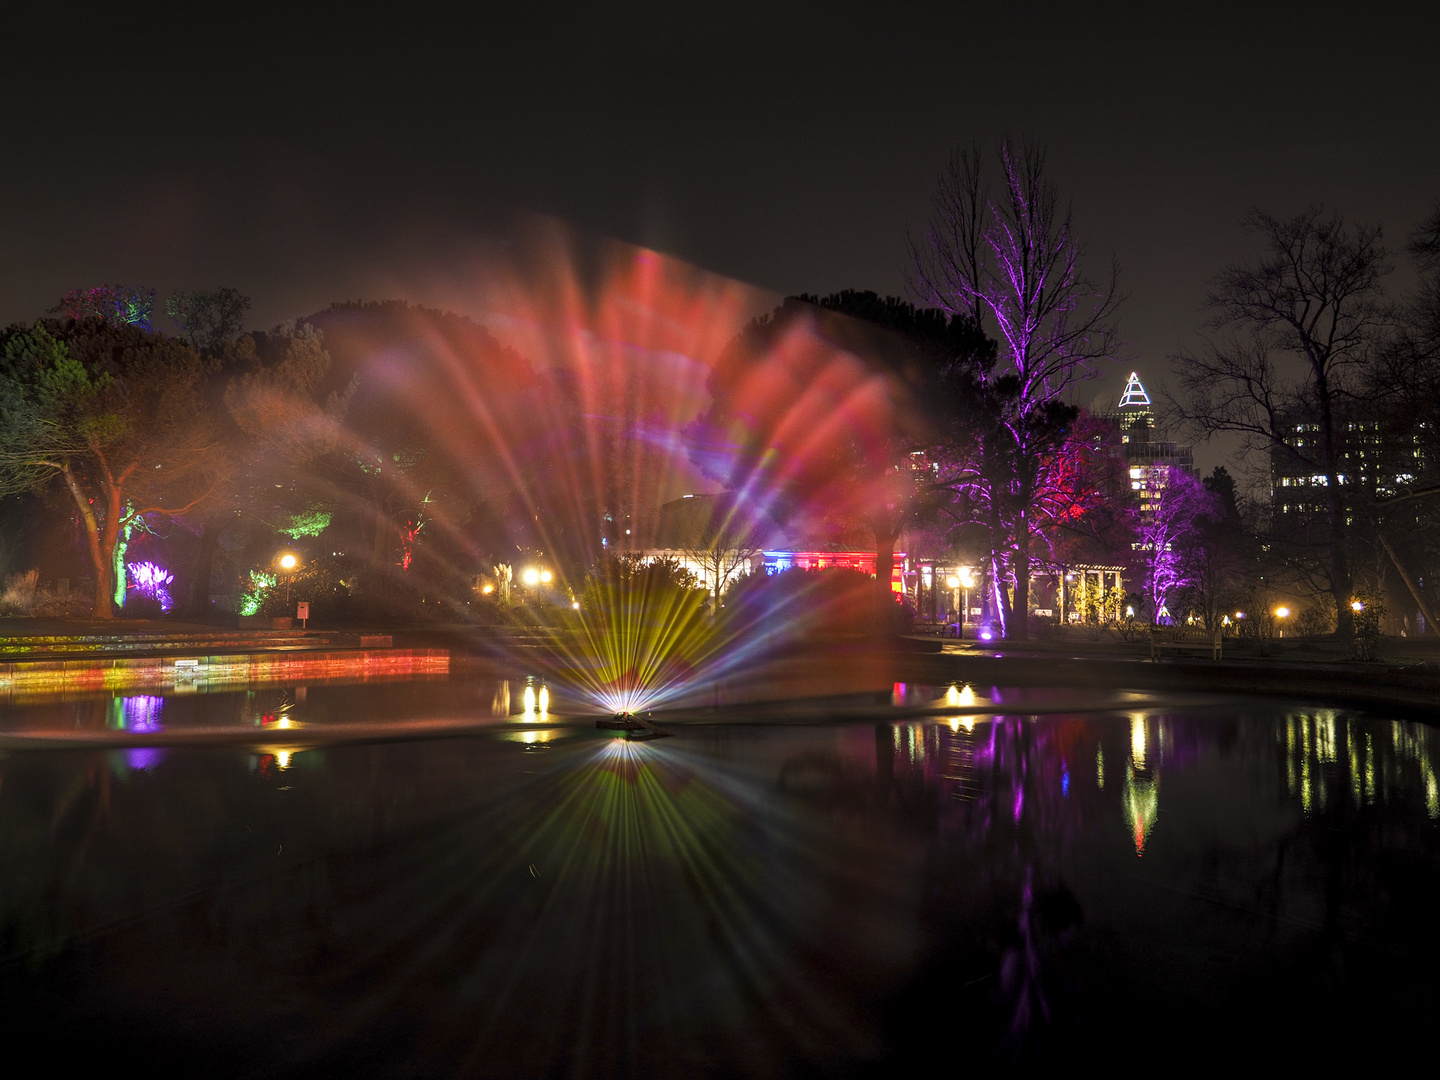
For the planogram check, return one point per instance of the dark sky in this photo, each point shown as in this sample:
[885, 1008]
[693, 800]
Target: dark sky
[353, 151]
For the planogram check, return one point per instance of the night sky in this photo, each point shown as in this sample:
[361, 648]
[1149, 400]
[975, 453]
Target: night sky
[360, 153]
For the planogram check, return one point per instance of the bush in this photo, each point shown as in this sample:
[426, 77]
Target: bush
[1318, 619]
[1368, 617]
[24, 596]
[142, 606]
[622, 589]
[1047, 627]
[18, 597]
[797, 602]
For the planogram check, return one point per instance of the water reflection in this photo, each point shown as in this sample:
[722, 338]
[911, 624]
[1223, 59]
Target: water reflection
[834, 897]
[1330, 754]
[140, 712]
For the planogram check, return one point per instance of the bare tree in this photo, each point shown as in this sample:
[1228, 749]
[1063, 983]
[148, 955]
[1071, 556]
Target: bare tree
[717, 534]
[1013, 263]
[208, 320]
[1292, 332]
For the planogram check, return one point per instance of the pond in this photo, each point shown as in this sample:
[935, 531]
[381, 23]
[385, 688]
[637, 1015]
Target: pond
[841, 889]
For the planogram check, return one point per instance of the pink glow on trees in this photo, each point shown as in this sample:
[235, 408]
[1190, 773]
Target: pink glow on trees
[1012, 263]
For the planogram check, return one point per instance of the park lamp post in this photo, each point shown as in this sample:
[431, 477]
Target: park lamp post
[1282, 613]
[967, 582]
[288, 563]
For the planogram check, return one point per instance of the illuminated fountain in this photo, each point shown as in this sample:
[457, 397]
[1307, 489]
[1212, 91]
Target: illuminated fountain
[582, 424]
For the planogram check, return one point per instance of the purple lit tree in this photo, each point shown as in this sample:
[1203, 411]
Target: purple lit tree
[1013, 263]
[1167, 536]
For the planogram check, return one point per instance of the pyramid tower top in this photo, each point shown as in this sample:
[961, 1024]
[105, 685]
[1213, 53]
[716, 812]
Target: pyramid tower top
[1134, 393]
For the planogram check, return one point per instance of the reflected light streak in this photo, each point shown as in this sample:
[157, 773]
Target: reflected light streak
[1137, 740]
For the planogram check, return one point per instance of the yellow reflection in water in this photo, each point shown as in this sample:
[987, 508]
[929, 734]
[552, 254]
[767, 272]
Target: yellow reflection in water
[1142, 808]
[537, 703]
[531, 736]
[1369, 769]
[1137, 740]
[1100, 767]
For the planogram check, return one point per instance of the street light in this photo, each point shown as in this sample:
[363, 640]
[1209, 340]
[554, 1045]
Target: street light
[1282, 613]
[531, 576]
[953, 583]
[967, 582]
[1356, 606]
[288, 562]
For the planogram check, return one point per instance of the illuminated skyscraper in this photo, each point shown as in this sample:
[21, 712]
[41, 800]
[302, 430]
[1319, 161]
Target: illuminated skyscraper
[1148, 457]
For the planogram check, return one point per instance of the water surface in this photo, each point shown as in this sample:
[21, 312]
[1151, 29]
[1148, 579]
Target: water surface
[863, 897]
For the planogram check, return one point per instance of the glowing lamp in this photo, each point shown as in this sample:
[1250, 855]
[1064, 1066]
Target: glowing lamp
[952, 582]
[1283, 612]
[967, 577]
[575, 604]
[546, 576]
[531, 576]
[1356, 605]
[488, 589]
[287, 561]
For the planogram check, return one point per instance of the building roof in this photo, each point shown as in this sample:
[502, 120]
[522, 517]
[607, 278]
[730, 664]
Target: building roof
[1134, 395]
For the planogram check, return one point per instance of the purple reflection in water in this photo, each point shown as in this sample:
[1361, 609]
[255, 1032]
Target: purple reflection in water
[142, 713]
[143, 757]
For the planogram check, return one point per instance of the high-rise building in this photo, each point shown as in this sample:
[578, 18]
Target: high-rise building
[1375, 458]
[1147, 456]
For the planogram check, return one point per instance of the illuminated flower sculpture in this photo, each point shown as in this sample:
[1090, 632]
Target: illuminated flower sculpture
[153, 581]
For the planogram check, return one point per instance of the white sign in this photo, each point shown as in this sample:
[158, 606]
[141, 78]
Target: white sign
[302, 609]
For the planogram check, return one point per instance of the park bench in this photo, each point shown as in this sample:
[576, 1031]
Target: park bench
[1193, 638]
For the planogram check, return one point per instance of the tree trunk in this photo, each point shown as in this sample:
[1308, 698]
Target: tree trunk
[1019, 628]
[1415, 592]
[109, 537]
[204, 566]
[379, 541]
[100, 609]
[999, 594]
[1340, 585]
[884, 572]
